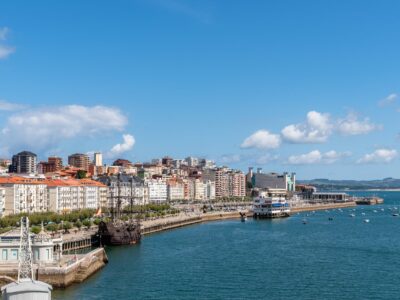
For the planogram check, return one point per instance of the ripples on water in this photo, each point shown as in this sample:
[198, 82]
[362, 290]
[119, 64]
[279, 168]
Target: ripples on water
[267, 259]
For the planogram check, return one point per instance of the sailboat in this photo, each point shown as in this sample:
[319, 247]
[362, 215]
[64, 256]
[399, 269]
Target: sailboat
[117, 232]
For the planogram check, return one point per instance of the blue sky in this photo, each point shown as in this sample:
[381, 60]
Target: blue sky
[305, 86]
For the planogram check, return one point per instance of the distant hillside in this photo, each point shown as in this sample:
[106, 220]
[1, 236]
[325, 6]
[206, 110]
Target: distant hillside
[326, 184]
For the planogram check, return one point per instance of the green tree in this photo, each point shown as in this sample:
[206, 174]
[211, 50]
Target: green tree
[87, 223]
[67, 226]
[36, 229]
[78, 224]
[81, 174]
[52, 227]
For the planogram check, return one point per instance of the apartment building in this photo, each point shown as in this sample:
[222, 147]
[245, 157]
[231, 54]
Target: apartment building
[80, 161]
[23, 163]
[2, 201]
[53, 164]
[23, 195]
[158, 192]
[221, 178]
[66, 195]
[175, 190]
[125, 188]
[237, 184]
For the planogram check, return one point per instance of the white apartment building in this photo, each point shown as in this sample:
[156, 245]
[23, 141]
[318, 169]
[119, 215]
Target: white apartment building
[198, 190]
[209, 190]
[68, 195]
[23, 195]
[2, 201]
[158, 192]
[192, 161]
[176, 191]
[98, 159]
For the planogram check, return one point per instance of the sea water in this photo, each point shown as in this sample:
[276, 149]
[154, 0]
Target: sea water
[343, 258]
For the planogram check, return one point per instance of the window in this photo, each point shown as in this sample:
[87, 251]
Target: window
[48, 254]
[4, 254]
[36, 254]
[14, 254]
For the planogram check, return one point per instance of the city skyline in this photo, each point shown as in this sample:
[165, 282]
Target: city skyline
[288, 88]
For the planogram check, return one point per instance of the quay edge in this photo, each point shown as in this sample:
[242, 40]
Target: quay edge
[62, 277]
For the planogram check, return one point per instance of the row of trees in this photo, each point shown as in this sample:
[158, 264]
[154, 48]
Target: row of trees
[47, 218]
[66, 226]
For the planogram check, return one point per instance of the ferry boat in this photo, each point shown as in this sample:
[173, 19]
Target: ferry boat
[270, 207]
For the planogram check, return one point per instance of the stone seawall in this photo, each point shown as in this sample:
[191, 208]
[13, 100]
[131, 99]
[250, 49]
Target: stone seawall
[172, 223]
[61, 277]
[76, 272]
[322, 206]
[166, 224]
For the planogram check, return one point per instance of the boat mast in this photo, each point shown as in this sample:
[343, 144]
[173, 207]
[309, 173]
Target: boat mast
[112, 206]
[131, 197]
[119, 197]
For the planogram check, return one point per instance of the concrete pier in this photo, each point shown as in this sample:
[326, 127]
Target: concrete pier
[73, 269]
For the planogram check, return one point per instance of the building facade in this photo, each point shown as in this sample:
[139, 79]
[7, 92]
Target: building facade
[24, 195]
[80, 161]
[23, 163]
[158, 192]
[274, 181]
[125, 188]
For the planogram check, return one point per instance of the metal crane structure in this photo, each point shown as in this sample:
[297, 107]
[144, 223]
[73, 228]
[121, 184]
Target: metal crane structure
[26, 287]
[25, 268]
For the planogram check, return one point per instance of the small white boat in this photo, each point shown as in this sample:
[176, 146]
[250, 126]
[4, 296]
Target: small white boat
[352, 215]
[395, 215]
[304, 221]
[375, 211]
[363, 214]
[366, 221]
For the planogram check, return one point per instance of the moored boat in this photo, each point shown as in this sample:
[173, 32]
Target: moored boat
[270, 207]
[119, 233]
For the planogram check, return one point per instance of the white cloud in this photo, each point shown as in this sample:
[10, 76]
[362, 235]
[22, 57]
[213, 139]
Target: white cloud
[262, 139]
[351, 125]
[316, 157]
[316, 129]
[5, 50]
[126, 145]
[47, 127]
[390, 99]
[379, 156]
[8, 106]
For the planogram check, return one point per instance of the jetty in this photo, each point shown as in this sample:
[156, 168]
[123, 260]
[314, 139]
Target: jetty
[368, 200]
[71, 269]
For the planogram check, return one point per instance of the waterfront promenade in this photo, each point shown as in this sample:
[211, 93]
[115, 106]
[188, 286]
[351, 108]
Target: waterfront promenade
[185, 219]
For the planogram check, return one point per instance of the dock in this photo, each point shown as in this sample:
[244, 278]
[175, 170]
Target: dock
[71, 269]
[368, 200]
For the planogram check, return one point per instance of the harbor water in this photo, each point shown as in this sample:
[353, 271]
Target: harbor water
[343, 258]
